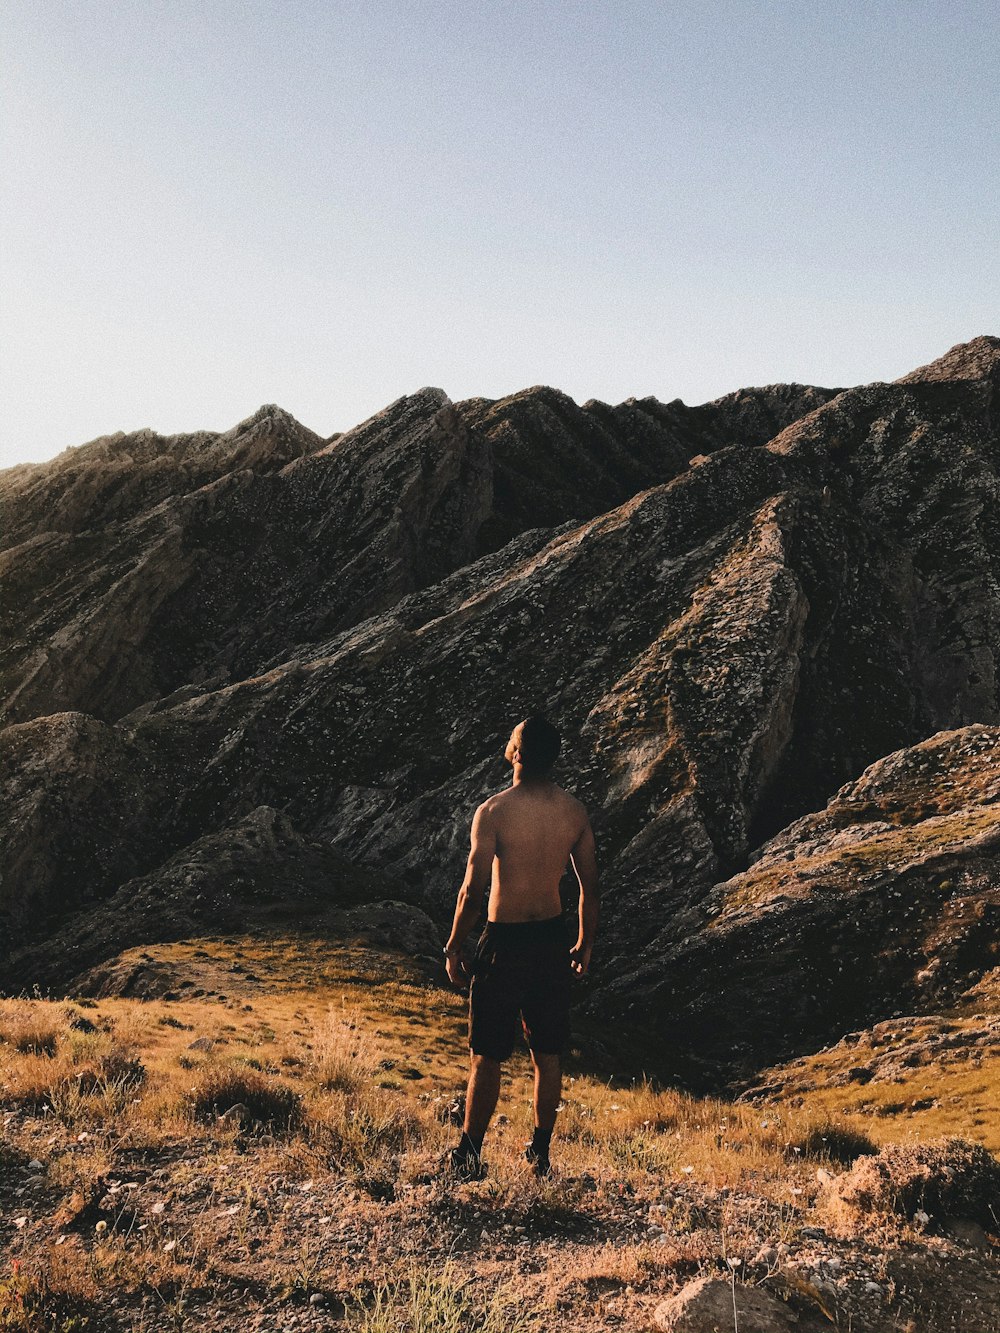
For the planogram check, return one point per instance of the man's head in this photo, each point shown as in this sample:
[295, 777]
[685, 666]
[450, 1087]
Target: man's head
[534, 744]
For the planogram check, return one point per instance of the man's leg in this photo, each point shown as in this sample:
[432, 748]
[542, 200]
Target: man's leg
[548, 1089]
[480, 1103]
[481, 1097]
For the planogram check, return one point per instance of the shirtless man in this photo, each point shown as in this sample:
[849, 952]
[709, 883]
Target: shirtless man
[522, 840]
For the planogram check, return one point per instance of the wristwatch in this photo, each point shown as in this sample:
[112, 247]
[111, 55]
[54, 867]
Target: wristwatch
[451, 953]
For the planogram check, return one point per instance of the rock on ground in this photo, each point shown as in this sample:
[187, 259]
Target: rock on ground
[706, 1306]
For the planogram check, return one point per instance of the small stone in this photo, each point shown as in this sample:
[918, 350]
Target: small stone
[317, 1298]
[967, 1232]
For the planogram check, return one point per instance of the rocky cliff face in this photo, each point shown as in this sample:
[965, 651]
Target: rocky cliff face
[886, 902]
[138, 565]
[731, 610]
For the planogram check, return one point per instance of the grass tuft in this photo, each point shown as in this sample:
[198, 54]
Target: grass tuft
[29, 1029]
[343, 1057]
[441, 1302]
[837, 1143]
[267, 1102]
[28, 1304]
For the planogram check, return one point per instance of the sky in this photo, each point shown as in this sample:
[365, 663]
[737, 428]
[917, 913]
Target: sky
[209, 205]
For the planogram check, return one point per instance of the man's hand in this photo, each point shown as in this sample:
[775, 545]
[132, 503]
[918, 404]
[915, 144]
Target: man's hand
[584, 859]
[579, 958]
[458, 972]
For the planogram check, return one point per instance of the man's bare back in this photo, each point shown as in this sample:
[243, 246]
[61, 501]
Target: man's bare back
[535, 828]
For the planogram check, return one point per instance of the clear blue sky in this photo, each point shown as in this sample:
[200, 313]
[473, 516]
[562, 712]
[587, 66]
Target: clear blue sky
[210, 204]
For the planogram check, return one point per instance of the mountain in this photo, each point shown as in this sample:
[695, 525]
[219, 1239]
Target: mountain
[752, 620]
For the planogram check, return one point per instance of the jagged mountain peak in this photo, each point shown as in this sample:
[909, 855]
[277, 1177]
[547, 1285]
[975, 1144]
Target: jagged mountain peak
[268, 414]
[977, 359]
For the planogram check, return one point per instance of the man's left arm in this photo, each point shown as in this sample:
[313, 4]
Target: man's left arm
[478, 873]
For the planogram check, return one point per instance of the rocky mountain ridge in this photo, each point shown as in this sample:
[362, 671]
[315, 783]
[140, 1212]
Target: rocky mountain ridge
[732, 610]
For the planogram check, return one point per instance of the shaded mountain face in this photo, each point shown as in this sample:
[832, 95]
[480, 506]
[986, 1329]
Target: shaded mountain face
[731, 610]
[886, 902]
[139, 565]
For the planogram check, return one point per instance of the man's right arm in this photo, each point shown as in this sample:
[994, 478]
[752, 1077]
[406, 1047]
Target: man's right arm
[585, 865]
[470, 896]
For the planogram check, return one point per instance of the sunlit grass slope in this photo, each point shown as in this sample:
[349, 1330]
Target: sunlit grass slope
[269, 1143]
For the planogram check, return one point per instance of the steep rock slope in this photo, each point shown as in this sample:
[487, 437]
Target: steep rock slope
[379, 739]
[137, 565]
[725, 642]
[886, 902]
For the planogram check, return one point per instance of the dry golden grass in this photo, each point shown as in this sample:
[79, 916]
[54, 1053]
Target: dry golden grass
[331, 1181]
[952, 1095]
[405, 1039]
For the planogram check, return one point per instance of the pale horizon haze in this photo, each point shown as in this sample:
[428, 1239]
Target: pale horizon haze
[209, 206]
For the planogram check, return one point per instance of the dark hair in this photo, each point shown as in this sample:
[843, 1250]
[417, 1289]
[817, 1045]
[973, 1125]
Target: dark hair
[539, 745]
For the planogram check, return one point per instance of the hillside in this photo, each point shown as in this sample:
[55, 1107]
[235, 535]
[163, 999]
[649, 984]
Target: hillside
[263, 673]
[253, 686]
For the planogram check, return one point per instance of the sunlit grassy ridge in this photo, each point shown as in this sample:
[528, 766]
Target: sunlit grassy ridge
[278, 1137]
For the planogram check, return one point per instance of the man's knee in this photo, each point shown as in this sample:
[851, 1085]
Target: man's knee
[546, 1063]
[486, 1064]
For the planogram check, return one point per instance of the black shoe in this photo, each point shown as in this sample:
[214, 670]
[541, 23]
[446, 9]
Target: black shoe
[465, 1166]
[539, 1163]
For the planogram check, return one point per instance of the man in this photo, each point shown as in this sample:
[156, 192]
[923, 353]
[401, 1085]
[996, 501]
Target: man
[522, 840]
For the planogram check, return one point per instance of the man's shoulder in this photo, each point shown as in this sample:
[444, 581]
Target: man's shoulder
[513, 798]
[492, 803]
[572, 802]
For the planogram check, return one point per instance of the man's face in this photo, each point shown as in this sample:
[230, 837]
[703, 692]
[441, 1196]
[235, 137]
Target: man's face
[514, 744]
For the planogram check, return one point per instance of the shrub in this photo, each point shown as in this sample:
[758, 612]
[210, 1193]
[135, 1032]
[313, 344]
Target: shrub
[837, 1143]
[944, 1178]
[267, 1101]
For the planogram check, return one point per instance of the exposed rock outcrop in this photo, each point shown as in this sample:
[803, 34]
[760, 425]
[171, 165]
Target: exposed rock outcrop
[886, 902]
[732, 610]
[713, 1305]
[139, 565]
[257, 871]
[929, 1183]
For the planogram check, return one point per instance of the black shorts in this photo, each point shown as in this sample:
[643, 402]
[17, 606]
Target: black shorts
[521, 970]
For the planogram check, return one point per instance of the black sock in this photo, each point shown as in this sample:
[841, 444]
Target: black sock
[470, 1147]
[540, 1141]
